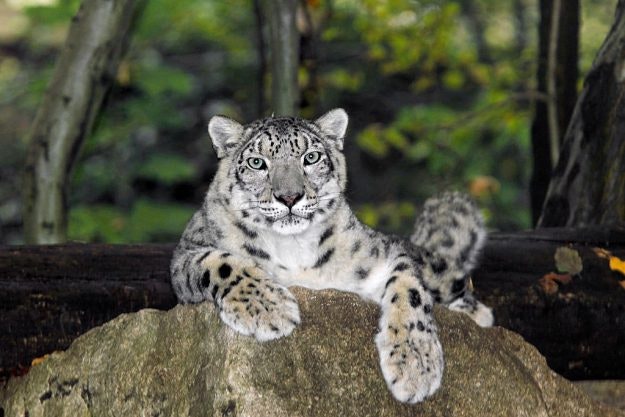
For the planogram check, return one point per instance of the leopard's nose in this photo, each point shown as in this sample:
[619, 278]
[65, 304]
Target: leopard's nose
[289, 200]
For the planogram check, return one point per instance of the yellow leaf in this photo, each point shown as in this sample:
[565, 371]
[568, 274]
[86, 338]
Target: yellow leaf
[617, 265]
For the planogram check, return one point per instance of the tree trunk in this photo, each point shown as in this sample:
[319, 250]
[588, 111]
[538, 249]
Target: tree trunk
[588, 184]
[52, 294]
[83, 74]
[284, 47]
[557, 78]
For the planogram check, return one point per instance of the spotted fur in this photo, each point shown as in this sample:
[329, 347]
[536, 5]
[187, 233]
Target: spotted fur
[275, 216]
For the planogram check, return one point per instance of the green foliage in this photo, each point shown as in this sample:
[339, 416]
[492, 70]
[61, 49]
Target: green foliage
[428, 110]
[147, 221]
[387, 215]
[168, 169]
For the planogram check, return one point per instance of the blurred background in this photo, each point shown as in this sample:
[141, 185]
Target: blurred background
[440, 93]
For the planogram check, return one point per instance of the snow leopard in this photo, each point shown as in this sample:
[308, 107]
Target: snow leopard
[275, 216]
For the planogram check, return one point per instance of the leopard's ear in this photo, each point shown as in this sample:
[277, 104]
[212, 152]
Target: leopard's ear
[333, 124]
[225, 134]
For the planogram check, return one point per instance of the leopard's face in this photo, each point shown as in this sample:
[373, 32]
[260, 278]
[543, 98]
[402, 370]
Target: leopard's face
[286, 175]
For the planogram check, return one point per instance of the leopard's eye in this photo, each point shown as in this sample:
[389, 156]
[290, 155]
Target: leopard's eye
[312, 158]
[256, 163]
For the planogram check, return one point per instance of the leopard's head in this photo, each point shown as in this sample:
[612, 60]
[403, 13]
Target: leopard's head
[283, 174]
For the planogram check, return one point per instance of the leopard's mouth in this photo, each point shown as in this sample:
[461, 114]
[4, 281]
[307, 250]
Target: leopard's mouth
[290, 216]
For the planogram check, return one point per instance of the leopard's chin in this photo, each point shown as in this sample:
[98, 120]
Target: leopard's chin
[290, 225]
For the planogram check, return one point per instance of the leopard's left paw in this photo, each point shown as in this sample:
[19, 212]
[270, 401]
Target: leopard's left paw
[411, 358]
[480, 313]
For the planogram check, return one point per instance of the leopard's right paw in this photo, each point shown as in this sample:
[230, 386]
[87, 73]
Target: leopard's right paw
[411, 359]
[259, 307]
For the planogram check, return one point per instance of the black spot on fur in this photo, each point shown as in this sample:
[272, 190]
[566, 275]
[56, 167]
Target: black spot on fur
[427, 309]
[401, 267]
[225, 270]
[414, 297]
[458, 286]
[439, 265]
[464, 256]
[237, 280]
[436, 294]
[247, 232]
[206, 279]
[362, 273]
[473, 238]
[447, 242]
[418, 259]
[390, 281]
[226, 291]
[326, 235]
[204, 256]
[351, 223]
[188, 282]
[323, 259]
[254, 251]
[356, 247]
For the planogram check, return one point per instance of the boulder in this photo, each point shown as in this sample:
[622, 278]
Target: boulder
[185, 362]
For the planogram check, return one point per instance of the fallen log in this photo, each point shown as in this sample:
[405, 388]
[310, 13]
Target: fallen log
[52, 294]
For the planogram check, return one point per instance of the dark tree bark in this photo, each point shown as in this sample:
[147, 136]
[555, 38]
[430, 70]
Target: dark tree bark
[83, 74]
[52, 294]
[588, 183]
[309, 54]
[284, 49]
[557, 74]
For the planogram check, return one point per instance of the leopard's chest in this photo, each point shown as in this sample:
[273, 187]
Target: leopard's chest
[291, 253]
[293, 258]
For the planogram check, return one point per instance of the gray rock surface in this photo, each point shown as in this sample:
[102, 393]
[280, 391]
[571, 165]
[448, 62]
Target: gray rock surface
[611, 392]
[184, 362]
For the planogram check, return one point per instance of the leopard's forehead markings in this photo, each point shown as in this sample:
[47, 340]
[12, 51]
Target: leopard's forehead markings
[285, 137]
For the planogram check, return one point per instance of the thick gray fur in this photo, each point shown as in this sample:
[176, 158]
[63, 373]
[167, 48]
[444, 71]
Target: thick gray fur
[275, 216]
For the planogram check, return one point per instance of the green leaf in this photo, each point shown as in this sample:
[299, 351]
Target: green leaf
[152, 221]
[167, 168]
[98, 223]
[158, 80]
